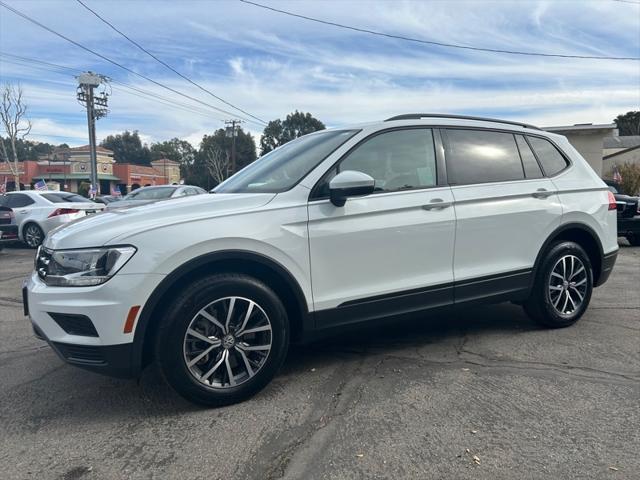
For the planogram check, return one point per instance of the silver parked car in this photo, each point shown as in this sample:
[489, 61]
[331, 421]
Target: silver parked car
[38, 212]
[145, 195]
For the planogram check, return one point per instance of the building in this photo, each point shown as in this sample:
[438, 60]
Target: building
[620, 150]
[68, 169]
[588, 139]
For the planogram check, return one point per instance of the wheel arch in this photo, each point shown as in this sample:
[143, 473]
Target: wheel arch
[584, 236]
[257, 265]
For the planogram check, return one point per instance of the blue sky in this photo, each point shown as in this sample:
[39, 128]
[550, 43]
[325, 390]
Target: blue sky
[270, 64]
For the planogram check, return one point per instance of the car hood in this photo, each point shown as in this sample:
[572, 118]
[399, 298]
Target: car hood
[101, 228]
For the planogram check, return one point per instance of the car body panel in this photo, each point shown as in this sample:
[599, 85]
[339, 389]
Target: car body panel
[484, 211]
[380, 244]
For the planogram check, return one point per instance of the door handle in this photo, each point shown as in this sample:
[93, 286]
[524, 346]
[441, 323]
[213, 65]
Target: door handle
[436, 204]
[23, 211]
[541, 193]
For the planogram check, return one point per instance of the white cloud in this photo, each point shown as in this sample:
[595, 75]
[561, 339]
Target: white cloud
[270, 65]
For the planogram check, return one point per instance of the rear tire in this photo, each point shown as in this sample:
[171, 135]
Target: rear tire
[214, 358]
[634, 240]
[562, 287]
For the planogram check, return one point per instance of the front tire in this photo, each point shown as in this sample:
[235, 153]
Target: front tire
[223, 339]
[562, 287]
[33, 235]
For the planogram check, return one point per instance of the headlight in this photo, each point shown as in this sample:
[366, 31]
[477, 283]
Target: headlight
[81, 268]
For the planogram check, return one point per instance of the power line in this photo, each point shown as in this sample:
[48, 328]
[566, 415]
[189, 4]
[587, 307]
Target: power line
[19, 60]
[113, 62]
[429, 42]
[113, 27]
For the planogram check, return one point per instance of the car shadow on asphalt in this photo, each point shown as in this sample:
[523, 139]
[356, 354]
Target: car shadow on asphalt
[72, 395]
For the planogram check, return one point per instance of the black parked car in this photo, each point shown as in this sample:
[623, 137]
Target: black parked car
[8, 227]
[628, 213]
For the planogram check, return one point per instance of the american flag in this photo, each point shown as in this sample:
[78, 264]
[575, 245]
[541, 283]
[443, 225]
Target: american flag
[40, 186]
[92, 191]
[616, 175]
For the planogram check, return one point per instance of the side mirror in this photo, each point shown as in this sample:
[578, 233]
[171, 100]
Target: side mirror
[349, 184]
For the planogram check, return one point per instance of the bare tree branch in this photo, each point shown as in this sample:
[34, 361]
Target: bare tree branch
[13, 111]
[218, 163]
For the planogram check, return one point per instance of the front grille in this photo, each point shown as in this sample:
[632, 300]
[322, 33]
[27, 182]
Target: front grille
[75, 324]
[81, 353]
[43, 258]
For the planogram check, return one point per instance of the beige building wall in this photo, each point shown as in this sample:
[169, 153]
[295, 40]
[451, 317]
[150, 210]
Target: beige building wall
[588, 140]
[631, 156]
[590, 147]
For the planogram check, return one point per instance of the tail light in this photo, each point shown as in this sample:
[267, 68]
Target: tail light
[63, 211]
[612, 202]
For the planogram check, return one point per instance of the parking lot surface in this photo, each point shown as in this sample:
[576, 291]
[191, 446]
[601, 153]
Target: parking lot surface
[477, 393]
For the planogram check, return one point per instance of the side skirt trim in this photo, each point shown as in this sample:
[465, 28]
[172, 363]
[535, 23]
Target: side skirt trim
[514, 285]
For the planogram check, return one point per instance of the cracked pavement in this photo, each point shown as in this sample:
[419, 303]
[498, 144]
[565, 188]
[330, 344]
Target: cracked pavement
[411, 399]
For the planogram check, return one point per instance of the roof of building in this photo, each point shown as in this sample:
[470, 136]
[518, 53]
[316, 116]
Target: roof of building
[629, 141]
[163, 161]
[83, 148]
[581, 127]
[620, 152]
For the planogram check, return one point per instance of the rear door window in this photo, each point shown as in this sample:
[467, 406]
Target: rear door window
[481, 156]
[529, 162]
[551, 159]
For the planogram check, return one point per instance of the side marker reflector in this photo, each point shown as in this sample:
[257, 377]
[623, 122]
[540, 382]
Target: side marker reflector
[131, 319]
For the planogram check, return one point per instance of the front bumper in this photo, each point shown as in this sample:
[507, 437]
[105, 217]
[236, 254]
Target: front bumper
[85, 325]
[111, 360]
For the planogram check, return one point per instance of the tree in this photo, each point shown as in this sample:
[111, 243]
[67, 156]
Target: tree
[128, 148]
[177, 150]
[13, 113]
[279, 132]
[28, 150]
[630, 173]
[217, 162]
[245, 146]
[628, 124]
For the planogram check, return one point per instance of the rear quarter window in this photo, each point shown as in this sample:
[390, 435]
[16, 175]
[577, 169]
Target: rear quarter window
[552, 160]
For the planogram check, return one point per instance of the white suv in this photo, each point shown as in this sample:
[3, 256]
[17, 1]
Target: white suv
[336, 228]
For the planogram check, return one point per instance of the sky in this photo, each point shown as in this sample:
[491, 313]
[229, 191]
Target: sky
[270, 64]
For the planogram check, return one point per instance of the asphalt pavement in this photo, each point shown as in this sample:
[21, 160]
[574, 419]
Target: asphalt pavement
[482, 393]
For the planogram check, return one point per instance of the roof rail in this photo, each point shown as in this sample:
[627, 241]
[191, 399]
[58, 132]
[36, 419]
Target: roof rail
[417, 116]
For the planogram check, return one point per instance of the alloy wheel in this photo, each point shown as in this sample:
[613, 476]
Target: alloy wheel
[33, 236]
[227, 342]
[568, 284]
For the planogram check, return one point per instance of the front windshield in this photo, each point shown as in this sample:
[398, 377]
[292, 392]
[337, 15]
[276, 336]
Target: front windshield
[151, 193]
[282, 168]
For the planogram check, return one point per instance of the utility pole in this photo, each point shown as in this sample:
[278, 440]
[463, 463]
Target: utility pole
[96, 108]
[232, 131]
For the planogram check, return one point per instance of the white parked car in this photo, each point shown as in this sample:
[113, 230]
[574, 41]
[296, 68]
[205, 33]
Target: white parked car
[38, 212]
[151, 194]
[336, 228]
